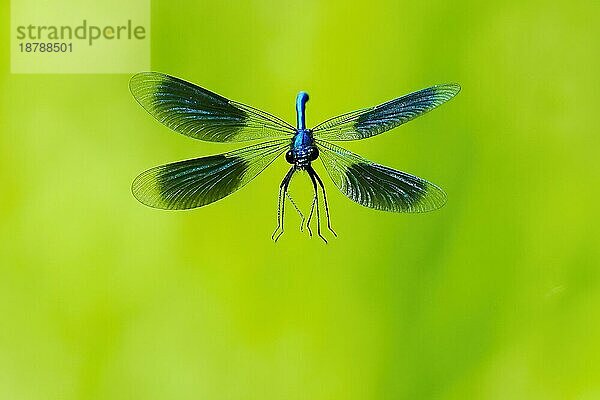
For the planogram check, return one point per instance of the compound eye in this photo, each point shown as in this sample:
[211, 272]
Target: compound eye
[314, 153]
[289, 156]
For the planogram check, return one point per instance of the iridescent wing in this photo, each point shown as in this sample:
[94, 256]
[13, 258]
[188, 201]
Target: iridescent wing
[201, 114]
[376, 186]
[201, 181]
[372, 121]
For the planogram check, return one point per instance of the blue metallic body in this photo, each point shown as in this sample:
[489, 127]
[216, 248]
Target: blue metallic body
[303, 145]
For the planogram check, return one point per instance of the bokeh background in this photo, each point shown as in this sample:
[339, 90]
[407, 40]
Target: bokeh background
[495, 296]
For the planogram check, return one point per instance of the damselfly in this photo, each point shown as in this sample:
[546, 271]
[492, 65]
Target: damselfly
[196, 112]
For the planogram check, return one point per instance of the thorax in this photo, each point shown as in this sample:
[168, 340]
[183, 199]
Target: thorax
[302, 139]
[303, 148]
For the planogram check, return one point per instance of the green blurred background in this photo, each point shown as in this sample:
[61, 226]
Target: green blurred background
[495, 296]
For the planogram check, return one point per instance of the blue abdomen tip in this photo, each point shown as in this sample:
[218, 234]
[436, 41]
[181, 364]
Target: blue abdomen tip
[302, 97]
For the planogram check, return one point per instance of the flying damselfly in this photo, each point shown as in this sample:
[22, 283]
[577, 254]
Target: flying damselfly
[201, 114]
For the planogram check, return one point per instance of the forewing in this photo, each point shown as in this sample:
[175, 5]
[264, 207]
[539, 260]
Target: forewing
[201, 181]
[372, 121]
[196, 112]
[377, 186]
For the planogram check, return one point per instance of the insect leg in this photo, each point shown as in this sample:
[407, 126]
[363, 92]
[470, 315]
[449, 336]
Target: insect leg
[297, 209]
[311, 173]
[281, 214]
[278, 212]
[312, 209]
[325, 201]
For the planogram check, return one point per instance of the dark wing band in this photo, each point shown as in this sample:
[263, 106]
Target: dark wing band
[376, 186]
[201, 181]
[201, 114]
[372, 121]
